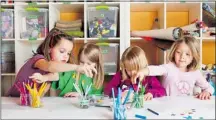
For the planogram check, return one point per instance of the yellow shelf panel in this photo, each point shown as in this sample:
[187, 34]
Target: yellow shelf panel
[142, 20]
[177, 19]
[208, 52]
[71, 16]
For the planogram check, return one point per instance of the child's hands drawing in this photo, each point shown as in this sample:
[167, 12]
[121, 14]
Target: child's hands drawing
[71, 94]
[148, 96]
[86, 69]
[203, 95]
[140, 74]
[37, 77]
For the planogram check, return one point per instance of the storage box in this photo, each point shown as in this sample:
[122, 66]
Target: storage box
[8, 62]
[33, 24]
[110, 57]
[102, 21]
[7, 23]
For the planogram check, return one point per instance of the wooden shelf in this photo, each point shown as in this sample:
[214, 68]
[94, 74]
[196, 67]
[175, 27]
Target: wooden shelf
[208, 39]
[8, 5]
[8, 40]
[8, 74]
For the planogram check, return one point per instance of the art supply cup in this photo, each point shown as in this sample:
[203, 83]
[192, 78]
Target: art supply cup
[138, 101]
[36, 101]
[24, 99]
[119, 112]
[98, 99]
[84, 102]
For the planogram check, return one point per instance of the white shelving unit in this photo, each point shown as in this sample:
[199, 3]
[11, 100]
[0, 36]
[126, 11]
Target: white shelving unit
[166, 12]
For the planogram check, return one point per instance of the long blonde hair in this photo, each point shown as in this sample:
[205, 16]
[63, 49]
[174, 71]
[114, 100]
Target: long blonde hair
[194, 46]
[93, 53]
[133, 58]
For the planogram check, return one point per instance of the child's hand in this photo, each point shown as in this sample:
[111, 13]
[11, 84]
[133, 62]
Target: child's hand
[71, 94]
[86, 69]
[37, 77]
[140, 74]
[148, 96]
[203, 95]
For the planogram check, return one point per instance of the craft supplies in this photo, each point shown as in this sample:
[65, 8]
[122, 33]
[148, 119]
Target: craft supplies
[102, 21]
[83, 99]
[7, 23]
[35, 95]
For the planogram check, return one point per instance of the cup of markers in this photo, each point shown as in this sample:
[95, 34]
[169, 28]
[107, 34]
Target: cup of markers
[35, 94]
[84, 101]
[24, 94]
[138, 99]
[119, 108]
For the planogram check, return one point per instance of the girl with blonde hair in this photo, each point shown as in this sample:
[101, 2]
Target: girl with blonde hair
[89, 54]
[133, 60]
[181, 73]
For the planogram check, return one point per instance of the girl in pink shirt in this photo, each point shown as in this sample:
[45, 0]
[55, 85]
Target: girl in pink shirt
[182, 72]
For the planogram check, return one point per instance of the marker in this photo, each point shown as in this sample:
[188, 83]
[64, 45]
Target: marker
[153, 111]
[141, 117]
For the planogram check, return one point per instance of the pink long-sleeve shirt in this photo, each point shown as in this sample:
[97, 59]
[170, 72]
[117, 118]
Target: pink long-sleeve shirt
[177, 82]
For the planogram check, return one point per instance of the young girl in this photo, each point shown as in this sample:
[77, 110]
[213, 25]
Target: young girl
[181, 73]
[51, 56]
[133, 60]
[89, 54]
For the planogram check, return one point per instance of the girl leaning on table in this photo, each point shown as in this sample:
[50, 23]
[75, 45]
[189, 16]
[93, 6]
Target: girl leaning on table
[181, 73]
[89, 54]
[134, 59]
[52, 56]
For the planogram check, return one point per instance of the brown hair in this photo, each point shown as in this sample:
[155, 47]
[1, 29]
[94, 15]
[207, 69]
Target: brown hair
[93, 53]
[194, 46]
[133, 58]
[53, 38]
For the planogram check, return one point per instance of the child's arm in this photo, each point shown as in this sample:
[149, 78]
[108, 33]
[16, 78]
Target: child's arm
[44, 78]
[154, 87]
[114, 83]
[151, 71]
[54, 66]
[207, 89]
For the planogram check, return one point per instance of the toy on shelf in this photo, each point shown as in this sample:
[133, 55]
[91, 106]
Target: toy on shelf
[209, 73]
[208, 15]
[172, 33]
[8, 62]
[7, 19]
[102, 21]
[34, 23]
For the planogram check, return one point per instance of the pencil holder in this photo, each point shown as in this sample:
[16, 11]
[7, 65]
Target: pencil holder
[84, 102]
[35, 101]
[24, 99]
[138, 101]
[98, 99]
[119, 112]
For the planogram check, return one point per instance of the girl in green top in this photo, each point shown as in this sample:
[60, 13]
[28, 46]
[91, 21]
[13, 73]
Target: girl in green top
[89, 54]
